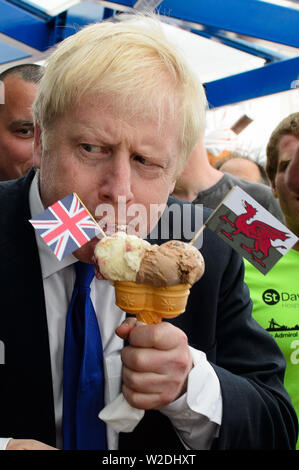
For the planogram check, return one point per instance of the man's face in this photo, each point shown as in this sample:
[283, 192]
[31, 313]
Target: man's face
[16, 127]
[102, 157]
[289, 200]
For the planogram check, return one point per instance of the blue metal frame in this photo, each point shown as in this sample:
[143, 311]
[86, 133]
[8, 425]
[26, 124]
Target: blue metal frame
[9, 53]
[272, 78]
[40, 31]
[126, 3]
[25, 27]
[30, 9]
[253, 18]
[245, 46]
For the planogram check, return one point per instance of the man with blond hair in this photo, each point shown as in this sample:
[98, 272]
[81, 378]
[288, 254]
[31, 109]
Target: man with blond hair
[116, 115]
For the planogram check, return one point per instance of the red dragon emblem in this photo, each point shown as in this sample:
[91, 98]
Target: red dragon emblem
[261, 232]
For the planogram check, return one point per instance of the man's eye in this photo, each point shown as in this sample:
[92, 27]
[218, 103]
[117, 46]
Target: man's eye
[90, 148]
[25, 132]
[283, 165]
[142, 160]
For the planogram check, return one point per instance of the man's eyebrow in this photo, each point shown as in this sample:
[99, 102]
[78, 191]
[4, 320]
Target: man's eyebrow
[21, 122]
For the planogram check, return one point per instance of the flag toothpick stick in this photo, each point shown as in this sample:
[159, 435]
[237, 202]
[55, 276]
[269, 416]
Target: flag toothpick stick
[211, 215]
[101, 230]
[198, 233]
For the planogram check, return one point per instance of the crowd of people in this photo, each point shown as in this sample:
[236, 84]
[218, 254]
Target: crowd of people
[115, 112]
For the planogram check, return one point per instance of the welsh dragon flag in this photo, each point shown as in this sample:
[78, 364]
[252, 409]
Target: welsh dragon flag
[251, 230]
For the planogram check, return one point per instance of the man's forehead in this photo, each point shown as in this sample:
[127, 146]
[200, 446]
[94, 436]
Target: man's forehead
[17, 116]
[286, 145]
[18, 91]
[287, 141]
[101, 116]
[18, 103]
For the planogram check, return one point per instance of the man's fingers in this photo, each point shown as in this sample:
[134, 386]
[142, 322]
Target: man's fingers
[147, 359]
[124, 330]
[139, 382]
[162, 336]
[142, 401]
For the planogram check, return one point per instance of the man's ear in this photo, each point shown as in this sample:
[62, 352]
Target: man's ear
[37, 146]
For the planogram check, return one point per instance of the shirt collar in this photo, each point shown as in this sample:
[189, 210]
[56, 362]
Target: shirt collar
[49, 263]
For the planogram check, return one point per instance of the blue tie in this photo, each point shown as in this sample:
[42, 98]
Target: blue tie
[83, 379]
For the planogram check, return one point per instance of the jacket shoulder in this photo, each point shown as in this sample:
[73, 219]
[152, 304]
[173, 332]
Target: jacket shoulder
[14, 205]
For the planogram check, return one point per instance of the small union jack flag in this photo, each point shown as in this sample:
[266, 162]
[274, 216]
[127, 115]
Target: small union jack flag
[65, 226]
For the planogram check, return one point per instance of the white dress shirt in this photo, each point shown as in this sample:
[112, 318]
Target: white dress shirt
[196, 415]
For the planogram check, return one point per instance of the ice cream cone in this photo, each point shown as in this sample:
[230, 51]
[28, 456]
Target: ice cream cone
[151, 304]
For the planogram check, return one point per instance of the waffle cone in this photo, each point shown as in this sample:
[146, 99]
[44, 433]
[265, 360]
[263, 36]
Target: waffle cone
[151, 304]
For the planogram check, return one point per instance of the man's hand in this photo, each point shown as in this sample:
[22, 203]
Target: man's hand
[27, 444]
[156, 364]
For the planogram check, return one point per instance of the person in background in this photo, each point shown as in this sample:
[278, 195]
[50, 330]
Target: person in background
[201, 183]
[18, 90]
[275, 295]
[242, 167]
[117, 113]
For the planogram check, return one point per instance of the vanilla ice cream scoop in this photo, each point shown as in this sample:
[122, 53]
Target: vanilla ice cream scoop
[118, 256]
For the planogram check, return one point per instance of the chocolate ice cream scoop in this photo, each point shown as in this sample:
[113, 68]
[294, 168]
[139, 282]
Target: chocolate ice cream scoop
[169, 264]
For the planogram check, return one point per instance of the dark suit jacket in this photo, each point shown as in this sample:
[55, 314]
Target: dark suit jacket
[257, 413]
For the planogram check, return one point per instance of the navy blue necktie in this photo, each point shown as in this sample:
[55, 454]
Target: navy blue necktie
[83, 379]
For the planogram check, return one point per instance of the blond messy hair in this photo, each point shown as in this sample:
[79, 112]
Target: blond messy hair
[131, 63]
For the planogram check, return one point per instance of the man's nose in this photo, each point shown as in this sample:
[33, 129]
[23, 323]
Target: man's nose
[117, 181]
[292, 173]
